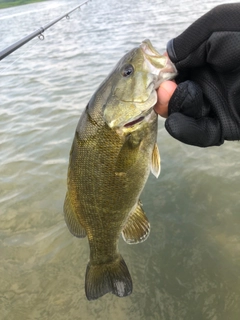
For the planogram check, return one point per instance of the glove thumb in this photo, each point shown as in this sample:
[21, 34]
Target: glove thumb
[188, 99]
[189, 120]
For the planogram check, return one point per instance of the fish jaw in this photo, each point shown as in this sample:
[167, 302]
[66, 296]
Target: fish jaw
[159, 65]
[142, 116]
[137, 123]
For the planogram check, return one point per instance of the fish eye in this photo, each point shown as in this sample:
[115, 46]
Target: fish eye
[127, 70]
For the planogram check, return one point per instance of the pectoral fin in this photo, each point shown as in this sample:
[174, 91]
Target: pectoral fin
[127, 156]
[137, 228]
[71, 220]
[156, 162]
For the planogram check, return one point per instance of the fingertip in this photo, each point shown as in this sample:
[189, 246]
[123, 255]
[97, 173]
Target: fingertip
[169, 87]
[164, 92]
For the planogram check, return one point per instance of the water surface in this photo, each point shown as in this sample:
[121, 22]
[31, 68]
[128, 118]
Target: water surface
[189, 268]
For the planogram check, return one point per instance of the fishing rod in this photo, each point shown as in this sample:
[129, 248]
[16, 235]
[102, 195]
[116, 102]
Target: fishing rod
[39, 32]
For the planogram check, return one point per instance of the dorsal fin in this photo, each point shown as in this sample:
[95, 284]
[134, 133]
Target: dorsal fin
[137, 228]
[156, 162]
[71, 220]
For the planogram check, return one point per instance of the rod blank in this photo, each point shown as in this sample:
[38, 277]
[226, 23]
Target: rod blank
[4, 53]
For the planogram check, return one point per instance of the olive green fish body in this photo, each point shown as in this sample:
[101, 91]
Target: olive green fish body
[111, 173]
[113, 151]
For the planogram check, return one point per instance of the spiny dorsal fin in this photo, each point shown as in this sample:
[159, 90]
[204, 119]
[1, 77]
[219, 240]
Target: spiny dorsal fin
[71, 220]
[156, 162]
[137, 228]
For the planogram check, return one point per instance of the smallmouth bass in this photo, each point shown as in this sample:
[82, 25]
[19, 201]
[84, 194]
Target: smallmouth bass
[113, 151]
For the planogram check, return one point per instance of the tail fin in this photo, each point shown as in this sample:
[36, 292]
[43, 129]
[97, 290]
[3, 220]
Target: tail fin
[103, 278]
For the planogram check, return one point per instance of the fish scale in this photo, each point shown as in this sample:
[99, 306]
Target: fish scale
[113, 151]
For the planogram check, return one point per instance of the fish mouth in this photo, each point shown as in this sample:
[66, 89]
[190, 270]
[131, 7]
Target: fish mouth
[132, 123]
[159, 65]
[143, 116]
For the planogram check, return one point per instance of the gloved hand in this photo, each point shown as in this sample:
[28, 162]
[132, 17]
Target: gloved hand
[205, 108]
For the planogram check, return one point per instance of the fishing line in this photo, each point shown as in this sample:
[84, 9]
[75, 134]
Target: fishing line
[10, 67]
[27, 49]
[38, 33]
[4, 53]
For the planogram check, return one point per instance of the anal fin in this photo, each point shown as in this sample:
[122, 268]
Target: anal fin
[71, 220]
[137, 228]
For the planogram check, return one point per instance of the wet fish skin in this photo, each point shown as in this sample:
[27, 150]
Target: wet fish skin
[112, 153]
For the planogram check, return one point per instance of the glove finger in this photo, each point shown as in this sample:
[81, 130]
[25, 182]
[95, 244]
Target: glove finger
[202, 132]
[188, 99]
[193, 48]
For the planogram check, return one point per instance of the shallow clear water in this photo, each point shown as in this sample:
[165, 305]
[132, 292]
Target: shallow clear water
[189, 268]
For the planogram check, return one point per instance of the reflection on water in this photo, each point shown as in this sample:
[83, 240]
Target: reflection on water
[189, 266]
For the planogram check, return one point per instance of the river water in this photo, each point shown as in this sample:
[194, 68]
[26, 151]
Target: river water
[189, 268]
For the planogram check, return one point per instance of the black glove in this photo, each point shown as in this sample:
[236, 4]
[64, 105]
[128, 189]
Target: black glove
[205, 108]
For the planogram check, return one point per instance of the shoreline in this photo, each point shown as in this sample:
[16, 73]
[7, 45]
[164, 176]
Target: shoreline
[5, 5]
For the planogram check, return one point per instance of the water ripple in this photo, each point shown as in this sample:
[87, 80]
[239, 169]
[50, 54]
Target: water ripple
[189, 266]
